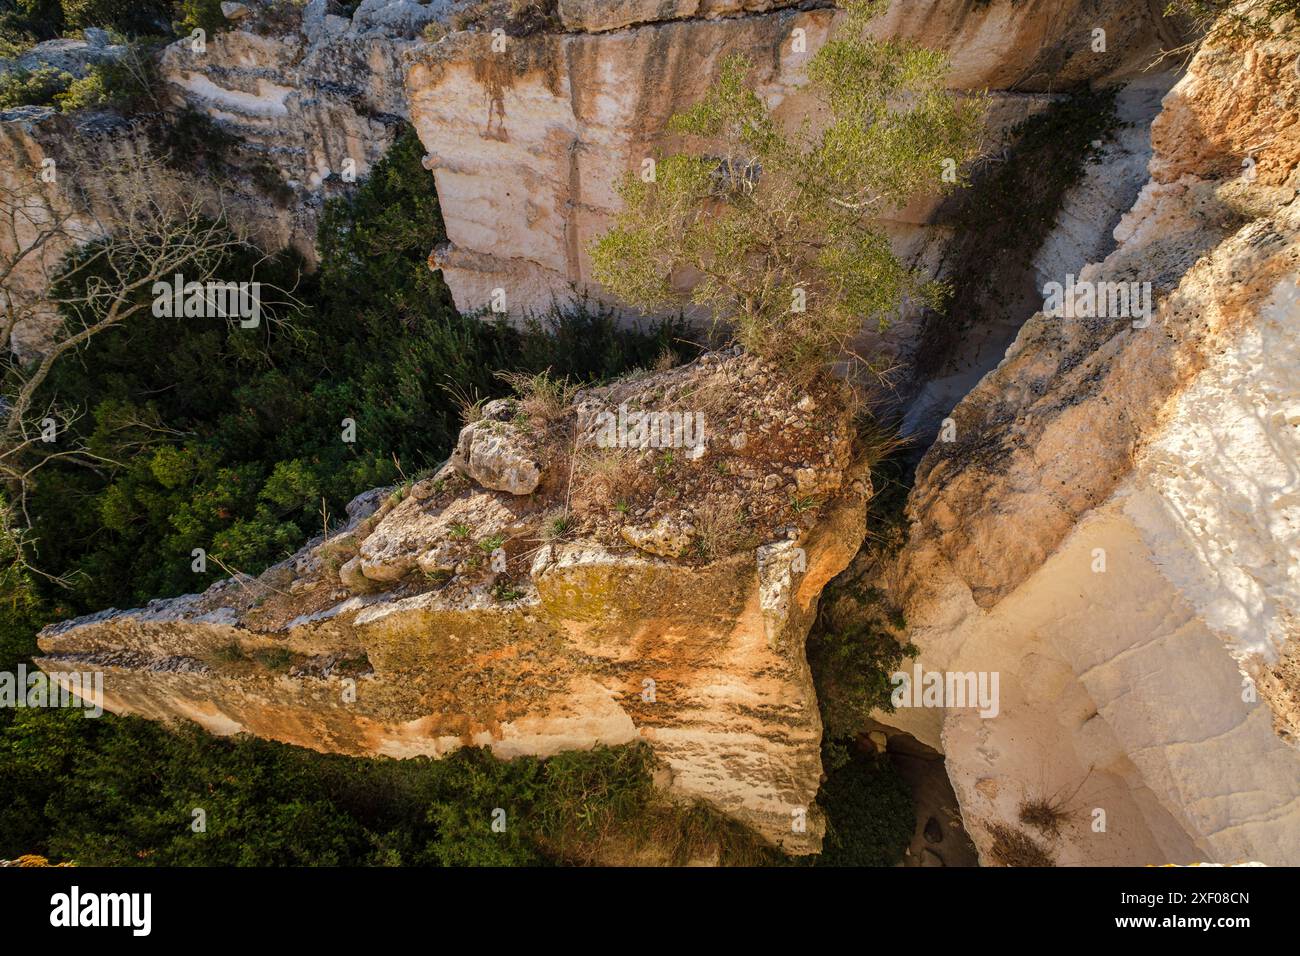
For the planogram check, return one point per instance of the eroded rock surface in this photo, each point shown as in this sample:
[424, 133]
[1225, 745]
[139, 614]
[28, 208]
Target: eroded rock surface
[449, 614]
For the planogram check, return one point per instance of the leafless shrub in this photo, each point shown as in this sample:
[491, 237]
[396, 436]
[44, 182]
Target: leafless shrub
[80, 256]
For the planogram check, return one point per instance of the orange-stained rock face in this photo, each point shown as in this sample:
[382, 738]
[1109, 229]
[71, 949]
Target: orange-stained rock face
[1237, 113]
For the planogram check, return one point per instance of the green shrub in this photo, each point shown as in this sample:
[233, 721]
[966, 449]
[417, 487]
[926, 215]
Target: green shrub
[37, 87]
[134, 17]
[852, 667]
[869, 811]
[117, 85]
[204, 15]
[784, 231]
[25, 22]
[854, 645]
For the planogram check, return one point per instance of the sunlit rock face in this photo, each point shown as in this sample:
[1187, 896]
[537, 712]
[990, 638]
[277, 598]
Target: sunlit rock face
[1113, 526]
[451, 614]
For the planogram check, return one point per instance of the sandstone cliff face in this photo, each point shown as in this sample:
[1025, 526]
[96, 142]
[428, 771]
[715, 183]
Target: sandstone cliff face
[524, 619]
[1114, 527]
[22, 152]
[53, 198]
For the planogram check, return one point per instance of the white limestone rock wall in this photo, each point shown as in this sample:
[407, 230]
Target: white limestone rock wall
[1114, 528]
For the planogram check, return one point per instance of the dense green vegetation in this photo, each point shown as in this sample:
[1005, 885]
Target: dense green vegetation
[123, 792]
[869, 812]
[30, 21]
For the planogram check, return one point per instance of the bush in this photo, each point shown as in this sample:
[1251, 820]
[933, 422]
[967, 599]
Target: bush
[869, 814]
[124, 86]
[854, 646]
[203, 15]
[783, 233]
[134, 17]
[37, 87]
[851, 669]
[25, 22]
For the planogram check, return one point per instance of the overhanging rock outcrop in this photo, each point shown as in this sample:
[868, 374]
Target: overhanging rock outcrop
[448, 614]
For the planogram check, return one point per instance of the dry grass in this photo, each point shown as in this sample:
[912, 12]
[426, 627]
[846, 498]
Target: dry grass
[1012, 847]
[605, 477]
[713, 398]
[539, 8]
[468, 403]
[665, 834]
[541, 396]
[1048, 813]
[699, 832]
[667, 359]
[721, 528]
